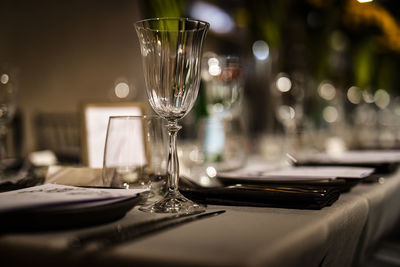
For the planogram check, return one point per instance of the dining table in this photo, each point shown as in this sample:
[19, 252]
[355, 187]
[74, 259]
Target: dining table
[342, 234]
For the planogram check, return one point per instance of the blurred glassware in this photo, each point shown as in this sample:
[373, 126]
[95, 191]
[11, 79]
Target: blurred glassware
[135, 153]
[222, 77]
[8, 105]
[289, 95]
[221, 143]
[219, 140]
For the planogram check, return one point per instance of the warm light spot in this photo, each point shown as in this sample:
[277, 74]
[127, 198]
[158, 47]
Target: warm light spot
[354, 95]
[327, 91]
[4, 78]
[286, 113]
[122, 90]
[368, 98]
[330, 114]
[213, 61]
[204, 180]
[260, 50]
[382, 98]
[364, 1]
[284, 84]
[211, 172]
[214, 70]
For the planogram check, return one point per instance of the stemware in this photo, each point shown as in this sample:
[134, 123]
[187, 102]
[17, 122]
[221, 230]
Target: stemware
[288, 93]
[171, 51]
[223, 83]
[222, 78]
[8, 92]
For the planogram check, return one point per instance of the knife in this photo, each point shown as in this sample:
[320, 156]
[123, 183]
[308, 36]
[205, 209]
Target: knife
[118, 235]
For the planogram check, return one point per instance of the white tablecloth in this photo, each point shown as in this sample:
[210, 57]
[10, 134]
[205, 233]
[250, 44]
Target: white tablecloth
[339, 235]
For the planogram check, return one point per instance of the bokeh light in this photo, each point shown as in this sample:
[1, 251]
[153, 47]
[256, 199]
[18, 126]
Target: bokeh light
[220, 21]
[354, 95]
[286, 113]
[211, 172]
[122, 90]
[367, 97]
[381, 98]
[283, 83]
[327, 91]
[260, 50]
[4, 78]
[330, 114]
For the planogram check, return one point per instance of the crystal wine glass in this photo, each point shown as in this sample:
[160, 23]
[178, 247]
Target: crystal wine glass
[171, 51]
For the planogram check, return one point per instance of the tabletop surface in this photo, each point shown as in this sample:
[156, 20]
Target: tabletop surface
[338, 235]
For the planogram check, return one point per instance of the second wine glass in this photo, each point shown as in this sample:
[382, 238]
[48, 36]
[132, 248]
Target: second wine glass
[171, 50]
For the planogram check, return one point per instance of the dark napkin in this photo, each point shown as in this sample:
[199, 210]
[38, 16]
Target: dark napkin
[263, 195]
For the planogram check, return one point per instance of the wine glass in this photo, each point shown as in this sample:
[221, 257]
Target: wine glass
[222, 78]
[171, 51]
[8, 102]
[288, 93]
[223, 83]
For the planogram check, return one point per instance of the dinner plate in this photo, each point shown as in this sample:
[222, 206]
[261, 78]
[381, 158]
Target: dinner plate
[383, 161]
[65, 217]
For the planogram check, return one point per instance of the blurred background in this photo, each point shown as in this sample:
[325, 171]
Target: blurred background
[320, 74]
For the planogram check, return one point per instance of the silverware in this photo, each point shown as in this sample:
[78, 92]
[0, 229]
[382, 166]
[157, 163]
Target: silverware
[118, 235]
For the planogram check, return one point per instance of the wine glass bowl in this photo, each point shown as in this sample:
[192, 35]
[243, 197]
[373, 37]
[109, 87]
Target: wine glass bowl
[223, 83]
[171, 54]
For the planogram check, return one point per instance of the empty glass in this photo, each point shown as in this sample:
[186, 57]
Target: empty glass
[171, 51]
[223, 83]
[135, 153]
[8, 102]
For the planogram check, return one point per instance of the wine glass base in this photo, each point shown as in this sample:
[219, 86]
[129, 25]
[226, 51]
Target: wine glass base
[174, 202]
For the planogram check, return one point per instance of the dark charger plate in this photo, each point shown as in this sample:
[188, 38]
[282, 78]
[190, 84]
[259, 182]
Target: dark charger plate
[66, 217]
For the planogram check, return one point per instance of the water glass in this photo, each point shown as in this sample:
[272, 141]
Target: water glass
[135, 153]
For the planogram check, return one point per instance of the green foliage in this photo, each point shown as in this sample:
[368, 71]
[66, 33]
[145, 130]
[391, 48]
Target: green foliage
[363, 63]
[164, 8]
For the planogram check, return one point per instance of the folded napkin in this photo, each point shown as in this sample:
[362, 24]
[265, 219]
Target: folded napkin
[338, 177]
[282, 196]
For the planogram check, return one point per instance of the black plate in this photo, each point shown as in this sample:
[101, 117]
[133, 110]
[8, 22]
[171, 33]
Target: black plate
[66, 218]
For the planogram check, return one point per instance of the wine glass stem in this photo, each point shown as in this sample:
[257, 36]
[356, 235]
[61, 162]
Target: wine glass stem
[173, 161]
